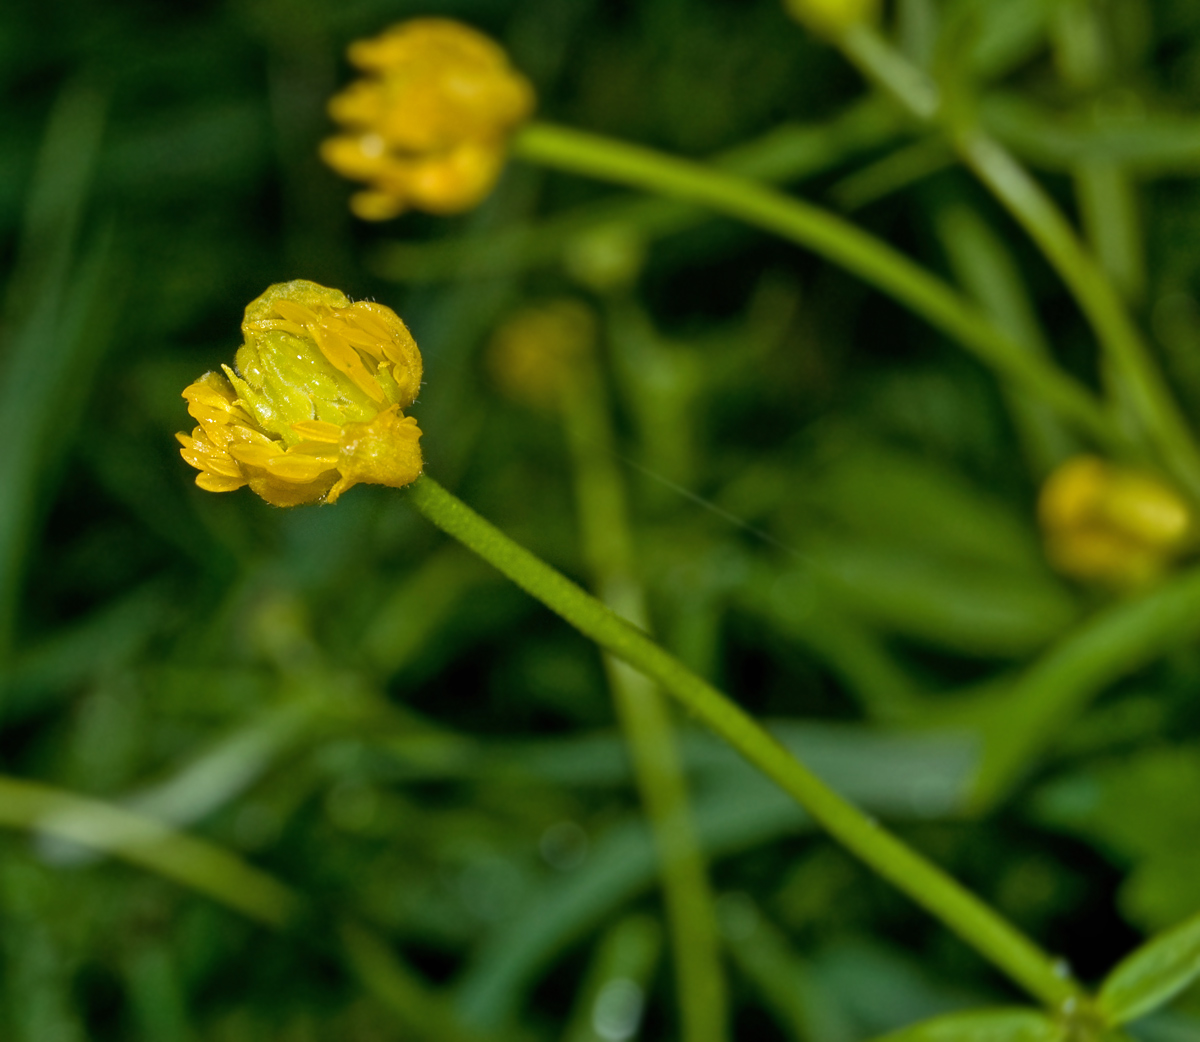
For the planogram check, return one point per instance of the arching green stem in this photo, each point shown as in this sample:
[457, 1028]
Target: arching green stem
[977, 924]
[843, 243]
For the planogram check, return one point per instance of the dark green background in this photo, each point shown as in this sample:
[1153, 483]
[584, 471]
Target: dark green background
[389, 728]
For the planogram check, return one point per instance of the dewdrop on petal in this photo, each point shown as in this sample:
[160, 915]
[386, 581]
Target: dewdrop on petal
[427, 126]
[314, 404]
[1111, 524]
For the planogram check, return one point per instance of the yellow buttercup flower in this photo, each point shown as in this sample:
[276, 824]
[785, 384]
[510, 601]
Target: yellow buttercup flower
[314, 404]
[1111, 524]
[428, 125]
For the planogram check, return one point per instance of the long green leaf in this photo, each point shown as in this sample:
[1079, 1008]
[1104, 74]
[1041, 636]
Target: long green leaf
[1153, 974]
[991, 1025]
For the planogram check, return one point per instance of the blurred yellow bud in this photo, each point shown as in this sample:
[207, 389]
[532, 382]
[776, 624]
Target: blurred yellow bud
[428, 125]
[831, 18]
[314, 404]
[531, 355]
[1112, 524]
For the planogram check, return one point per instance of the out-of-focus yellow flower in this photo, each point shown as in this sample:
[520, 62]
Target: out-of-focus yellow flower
[531, 355]
[314, 404]
[428, 125]
[831, 18]
[1112, 524]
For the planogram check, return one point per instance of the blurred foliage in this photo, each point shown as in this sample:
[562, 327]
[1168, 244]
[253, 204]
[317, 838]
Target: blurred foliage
[834, 517]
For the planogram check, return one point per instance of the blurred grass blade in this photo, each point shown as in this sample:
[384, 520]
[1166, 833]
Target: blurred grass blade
[997, 1025]
[423, 1014]
[1152, 975]
[156, 992]
[1023, 721]
[612, 998]
[1149, 144]
[736, 808]
[48, 306]
[110, 636]
[55, 199]
[642, 710]
[227, 879]
[900, 169]
[142, 841]
[763, 955]
[221, 773]
[1109, 206]
[983, 265]
[213, 778]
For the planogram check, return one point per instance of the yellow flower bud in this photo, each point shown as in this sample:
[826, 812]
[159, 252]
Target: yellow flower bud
[428, 125]
[831, 18]
[1111, 524]
[530, 356]
[314, 405]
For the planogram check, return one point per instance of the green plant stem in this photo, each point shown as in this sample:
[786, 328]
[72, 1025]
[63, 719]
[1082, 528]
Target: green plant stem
[1128, 354]
[977, 924]
[644, 715]
[838, 240]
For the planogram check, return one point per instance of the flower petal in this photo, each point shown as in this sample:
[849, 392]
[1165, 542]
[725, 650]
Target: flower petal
[217, 483]
[298, 467]
[256, 455]
[318, 430]
[347, 360]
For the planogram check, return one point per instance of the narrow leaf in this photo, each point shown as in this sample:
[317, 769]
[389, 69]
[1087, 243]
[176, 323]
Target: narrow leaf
[1152, 975]
[985, 1025]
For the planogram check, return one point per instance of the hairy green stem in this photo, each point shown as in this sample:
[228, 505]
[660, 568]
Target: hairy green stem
[977, 924]
[644, 715]
[838, 240]
[1132, 362]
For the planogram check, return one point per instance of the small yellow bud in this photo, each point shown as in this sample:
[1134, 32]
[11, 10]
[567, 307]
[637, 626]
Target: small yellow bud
[531, 355]
[428, 125]
[314, 405]
[831, 18]
[1111, 524]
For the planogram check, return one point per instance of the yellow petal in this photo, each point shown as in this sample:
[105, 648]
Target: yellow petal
[321, 450]
[319, 430]
[203, 455]
[297, 313]
[298, 467]
[256, 455]
[281, 493]
[347, 360]
[215, 483]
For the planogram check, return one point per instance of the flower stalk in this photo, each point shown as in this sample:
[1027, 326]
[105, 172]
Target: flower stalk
[977, 924]
[1157, 414]
[824, 233]
[644, 714]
